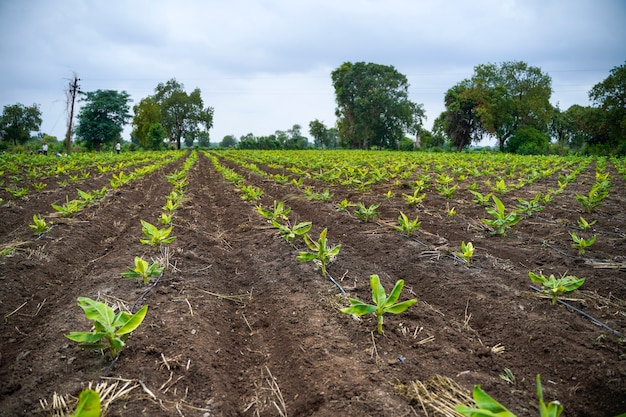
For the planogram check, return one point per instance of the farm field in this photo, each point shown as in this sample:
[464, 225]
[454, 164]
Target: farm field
[237, 326]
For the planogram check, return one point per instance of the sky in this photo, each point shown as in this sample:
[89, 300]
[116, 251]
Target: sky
[265, 65]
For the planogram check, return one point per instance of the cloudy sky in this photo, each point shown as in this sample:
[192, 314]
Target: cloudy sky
[265, 65]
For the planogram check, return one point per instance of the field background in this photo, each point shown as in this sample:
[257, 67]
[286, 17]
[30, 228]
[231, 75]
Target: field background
[238, 327]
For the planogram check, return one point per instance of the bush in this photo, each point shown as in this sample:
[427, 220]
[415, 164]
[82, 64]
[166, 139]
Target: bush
[528, 141]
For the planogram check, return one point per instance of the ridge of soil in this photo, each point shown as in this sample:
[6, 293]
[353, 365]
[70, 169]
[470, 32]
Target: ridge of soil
[235, 311]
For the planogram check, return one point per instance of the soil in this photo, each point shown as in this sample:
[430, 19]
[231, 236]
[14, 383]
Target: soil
[237, 326]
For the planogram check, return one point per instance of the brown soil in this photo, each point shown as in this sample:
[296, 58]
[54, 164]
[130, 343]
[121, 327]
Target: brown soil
[203, 354]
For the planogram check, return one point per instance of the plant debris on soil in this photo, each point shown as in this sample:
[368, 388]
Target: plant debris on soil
[237, 326]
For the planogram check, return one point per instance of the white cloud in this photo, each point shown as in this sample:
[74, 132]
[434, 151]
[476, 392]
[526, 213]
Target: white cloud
[265, 65]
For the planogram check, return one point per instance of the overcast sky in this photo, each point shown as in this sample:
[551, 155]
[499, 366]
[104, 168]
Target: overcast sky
[265, 65]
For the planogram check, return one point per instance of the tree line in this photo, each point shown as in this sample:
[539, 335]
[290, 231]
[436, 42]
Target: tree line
[509, 102]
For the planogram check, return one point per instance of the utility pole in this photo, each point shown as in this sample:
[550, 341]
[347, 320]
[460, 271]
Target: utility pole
[71, 99]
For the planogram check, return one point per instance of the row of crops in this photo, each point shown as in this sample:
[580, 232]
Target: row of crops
[485, 187]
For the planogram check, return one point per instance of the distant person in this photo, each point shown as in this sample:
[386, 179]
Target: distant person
[118, 147]
[45, 149]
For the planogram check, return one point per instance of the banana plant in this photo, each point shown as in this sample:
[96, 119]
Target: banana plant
[554, 287]
[414, 199]
[143, 270]
[489, 407]
[366, 213]
[290, 234]
[406, 225]
[382, 303]
[155, 236]
[584, 224]
[467, 251]
[88, 404]
[580, 243]
[321, 252]
[110, 330]
[501, 221]
[40, 226]
[70, 207]
[278, 212]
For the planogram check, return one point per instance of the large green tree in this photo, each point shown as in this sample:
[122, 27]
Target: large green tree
[147, 114]
[460, 120]
[323, 137]
[610, 96]
[510, 96]
[182, 115]
[373, 107]
[102, 118]
[18, 121]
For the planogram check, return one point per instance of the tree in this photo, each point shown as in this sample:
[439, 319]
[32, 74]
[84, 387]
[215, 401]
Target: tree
[182, 114]
[155, 137]
[204, 140]
[147, 114]
[319, 132]
[295, 140]
[18, 121]
[460, 121]
[510, 96]
[101, 120]
[373, 106]
[228, 141]
[528, 141]
[610, 96]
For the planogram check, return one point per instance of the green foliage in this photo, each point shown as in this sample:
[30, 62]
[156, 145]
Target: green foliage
[321, 252]
[143, 270]
[583, 224]
[279, 211]
[596, 195]
[250, 192]
[406, 225]
[344, 204]
[18, 121]
[39, 186]
[528, 141]
[556, 288]
[467, 251]
[530, 206]
[18, 193]
[102, 118]
[500, 187]
[373, 105]
[155, 236]
[290, 234]
[382, 303]
[69, 208]
[88, 404]
[183, 114]
[110, 330]
[489, 407]
[40, 226]
[483, 200]
[501, 221]
[580, 243]
[165, 219]
[366, 213]
[414, 199]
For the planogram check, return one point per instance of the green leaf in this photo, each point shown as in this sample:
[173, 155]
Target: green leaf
[133, 322]
[88, 404]
[85, 337]
[400, 307]
[395, 292]
[358, 308]
[378, 292]
[97, 311]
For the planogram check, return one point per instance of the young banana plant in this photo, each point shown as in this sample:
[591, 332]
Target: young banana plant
[321, 252]
[382, 303]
